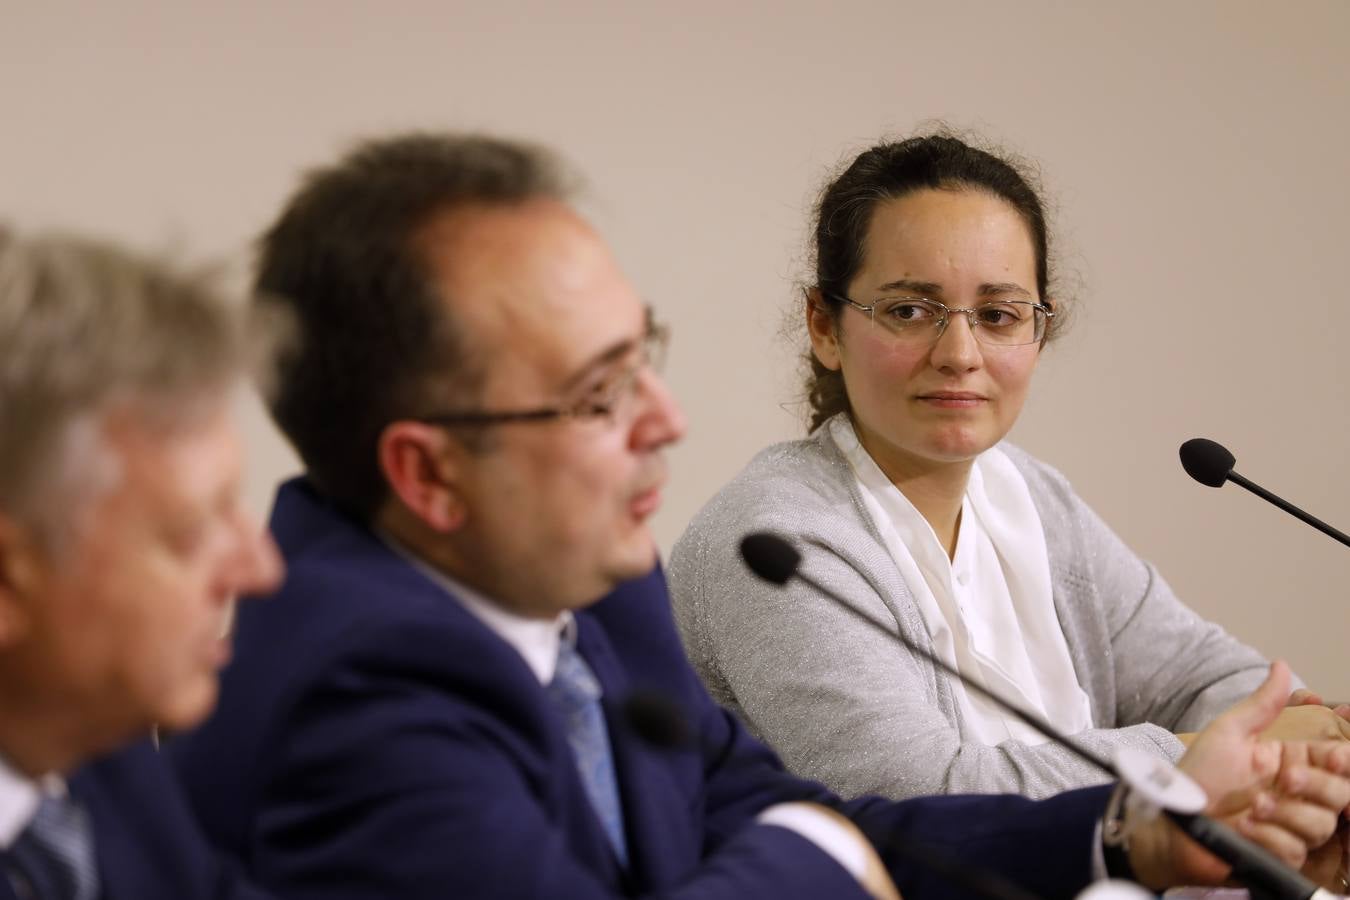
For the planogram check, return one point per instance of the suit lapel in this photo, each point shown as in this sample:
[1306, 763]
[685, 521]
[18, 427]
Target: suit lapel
[6, 891]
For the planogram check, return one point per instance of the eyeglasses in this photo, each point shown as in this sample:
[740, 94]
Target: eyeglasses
[612, 398]
[999, 323]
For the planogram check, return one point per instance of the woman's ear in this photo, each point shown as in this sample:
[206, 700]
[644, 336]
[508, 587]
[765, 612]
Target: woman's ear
[1049, 325]
[422, 466]
[820, 324]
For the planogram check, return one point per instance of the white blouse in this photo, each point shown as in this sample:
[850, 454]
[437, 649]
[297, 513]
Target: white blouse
[988, 607]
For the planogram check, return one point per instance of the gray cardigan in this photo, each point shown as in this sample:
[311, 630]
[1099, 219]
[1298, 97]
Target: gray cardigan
[846, 705]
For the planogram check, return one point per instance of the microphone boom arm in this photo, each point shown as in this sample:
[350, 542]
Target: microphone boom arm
[773, 558]
[1289, 508]
[1026, 716]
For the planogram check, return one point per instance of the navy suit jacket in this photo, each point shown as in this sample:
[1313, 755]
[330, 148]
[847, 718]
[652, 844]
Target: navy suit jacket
[146, 842]
[374, 739]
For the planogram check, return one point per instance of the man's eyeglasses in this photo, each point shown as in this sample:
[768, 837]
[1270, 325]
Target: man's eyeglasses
[998, 323]
[611, 398]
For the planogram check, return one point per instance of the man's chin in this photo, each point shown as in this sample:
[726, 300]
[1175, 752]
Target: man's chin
[638, 558]
[189, 707]
[628, 560]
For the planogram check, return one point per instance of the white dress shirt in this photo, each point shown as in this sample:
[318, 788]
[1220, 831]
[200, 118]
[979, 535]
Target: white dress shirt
[988, 607]
[19, 799]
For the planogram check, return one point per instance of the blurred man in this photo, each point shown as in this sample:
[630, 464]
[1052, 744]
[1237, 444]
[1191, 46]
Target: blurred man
[121, 547]
[434, 705]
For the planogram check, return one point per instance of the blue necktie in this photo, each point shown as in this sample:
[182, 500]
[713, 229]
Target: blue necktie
[53, 859]
[576, 691]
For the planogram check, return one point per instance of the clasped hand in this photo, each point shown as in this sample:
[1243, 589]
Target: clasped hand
[1289, 796]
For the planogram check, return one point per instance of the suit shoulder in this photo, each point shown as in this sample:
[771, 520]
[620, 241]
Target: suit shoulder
[148, 841]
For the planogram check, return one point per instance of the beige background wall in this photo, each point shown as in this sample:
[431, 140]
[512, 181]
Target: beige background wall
[1199, 154]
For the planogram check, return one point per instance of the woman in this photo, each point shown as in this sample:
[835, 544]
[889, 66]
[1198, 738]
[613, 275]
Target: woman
[932, 301]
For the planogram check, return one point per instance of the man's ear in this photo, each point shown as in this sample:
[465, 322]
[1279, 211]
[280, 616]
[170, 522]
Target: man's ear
[422, 466]
[18, 573]
[821, 326]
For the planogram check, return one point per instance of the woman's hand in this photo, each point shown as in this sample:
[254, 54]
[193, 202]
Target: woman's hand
[1326, 865]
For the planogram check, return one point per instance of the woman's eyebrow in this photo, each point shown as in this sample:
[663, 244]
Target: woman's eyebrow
[927, 288]
[1001, 287]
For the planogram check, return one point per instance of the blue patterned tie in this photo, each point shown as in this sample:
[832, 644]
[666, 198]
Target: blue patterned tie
[53, 859]
[576, 691]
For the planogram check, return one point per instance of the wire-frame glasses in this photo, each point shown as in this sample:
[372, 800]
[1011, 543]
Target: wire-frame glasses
[611, 398]
[999, 323]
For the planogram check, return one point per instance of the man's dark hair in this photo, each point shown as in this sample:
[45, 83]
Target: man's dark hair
[375, 339]
[890, 171]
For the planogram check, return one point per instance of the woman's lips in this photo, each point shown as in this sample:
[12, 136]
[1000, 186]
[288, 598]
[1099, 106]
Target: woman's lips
[952, 399]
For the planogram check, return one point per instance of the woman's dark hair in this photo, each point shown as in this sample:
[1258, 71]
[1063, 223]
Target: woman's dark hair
[887, 172]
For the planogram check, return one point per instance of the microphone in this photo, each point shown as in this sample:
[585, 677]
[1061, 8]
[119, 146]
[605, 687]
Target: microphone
[660, 721]
[657, 720]
[775, 560]
[1211, 464]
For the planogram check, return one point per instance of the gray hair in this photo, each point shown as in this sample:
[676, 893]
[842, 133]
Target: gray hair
[86, 327]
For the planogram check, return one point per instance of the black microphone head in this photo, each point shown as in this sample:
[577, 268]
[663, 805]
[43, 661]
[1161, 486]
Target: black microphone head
[770, 556]
[1206, 461]
[657, 719]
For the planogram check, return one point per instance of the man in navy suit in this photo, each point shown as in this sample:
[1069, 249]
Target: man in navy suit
[121, 547]
[436, 703]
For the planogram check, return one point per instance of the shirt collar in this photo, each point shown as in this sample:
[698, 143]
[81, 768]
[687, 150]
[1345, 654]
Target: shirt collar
[536, 640]
[19, 799]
